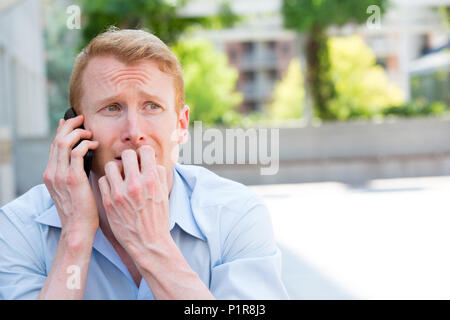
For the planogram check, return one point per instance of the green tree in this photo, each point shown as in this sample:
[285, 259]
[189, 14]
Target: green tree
[160, 17]
[313, 17]
[289, 94]
[60, 45]
[209, 82]
[362, 87]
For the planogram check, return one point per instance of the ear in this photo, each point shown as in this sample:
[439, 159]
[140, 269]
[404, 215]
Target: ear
[183, 125]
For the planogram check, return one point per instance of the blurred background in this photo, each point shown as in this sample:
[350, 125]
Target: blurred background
[358, 89]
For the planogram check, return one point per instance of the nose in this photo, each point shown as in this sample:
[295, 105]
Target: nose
[133, 132]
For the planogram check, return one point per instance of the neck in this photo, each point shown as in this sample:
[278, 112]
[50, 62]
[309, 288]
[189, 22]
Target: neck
[103, 219]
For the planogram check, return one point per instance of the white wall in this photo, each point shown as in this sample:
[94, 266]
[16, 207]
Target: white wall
[7, 186]
[23, 107]
[23, 59]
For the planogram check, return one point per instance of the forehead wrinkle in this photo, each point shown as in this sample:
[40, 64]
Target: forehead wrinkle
[108, 81]
[116, 74]
[123, 79]
[119, 76]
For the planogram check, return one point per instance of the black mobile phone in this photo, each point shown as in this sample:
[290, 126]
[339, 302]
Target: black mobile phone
[70, 113]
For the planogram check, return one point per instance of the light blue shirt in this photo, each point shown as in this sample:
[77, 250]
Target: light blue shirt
[223, 230]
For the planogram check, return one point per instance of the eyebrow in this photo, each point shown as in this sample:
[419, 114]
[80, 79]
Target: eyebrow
[143, 93]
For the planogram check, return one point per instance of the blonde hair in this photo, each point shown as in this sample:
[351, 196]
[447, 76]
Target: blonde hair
[128, 46]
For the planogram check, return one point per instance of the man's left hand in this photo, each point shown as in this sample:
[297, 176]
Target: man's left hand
[137, 206]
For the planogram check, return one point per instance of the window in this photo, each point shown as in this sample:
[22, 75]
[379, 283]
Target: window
[232, 54]
[248, 47]
[273, 75]
[249, 76]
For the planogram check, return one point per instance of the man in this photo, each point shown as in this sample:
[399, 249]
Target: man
[141, 226]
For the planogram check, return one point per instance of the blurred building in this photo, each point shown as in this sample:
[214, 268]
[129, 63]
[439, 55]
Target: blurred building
[430, 76]
[407, 31]
[347, 152]
[261, 49]
[22, 86]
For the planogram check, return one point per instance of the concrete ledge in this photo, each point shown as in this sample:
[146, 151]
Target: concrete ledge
[351, 152]
[352, 170]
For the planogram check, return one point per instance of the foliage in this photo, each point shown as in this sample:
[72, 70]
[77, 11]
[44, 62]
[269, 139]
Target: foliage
[60, 51]
[313, 17]
[432, 85]
[362, 87]
[417, 107]
[444, 11]
[157, 16]
[304, 15]
[160, 17]
[209, 82]
[288, 94]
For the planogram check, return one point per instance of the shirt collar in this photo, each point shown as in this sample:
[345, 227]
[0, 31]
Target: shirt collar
[49, 217]
[180, 209]
[180, 206]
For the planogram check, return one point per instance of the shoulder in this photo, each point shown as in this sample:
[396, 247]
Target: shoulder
[23, 258]
[24, 209]
[233, 218]
[211, 190]
[220, 205]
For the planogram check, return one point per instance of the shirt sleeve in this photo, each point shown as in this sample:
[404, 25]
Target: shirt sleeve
[251, 261]
[22, 268]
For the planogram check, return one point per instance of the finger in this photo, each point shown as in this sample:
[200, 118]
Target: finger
[78, 153]
[148, 161]
[162, 183]
[162, 175]
[65, 145]
[52, 159]
[76, 135]
[52, 146]
[130, 164]
[61, 122]
[70, 124]
[105, 191]
[114, 177]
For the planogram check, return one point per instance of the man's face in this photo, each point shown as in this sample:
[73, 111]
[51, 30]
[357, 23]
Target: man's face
[127, 106]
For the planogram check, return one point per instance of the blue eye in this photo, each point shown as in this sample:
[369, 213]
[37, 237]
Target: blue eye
[152, 106]
[112, 108]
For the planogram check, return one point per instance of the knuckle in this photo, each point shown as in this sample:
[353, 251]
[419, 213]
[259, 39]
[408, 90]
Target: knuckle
[134, 189]
[118, 197]
[47, 178]
[82, 132]
[72, 179]
[107, 203]
[60, 143]
[77, 153]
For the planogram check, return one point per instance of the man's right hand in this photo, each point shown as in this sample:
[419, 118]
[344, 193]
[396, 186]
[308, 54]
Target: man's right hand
[67, 181]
